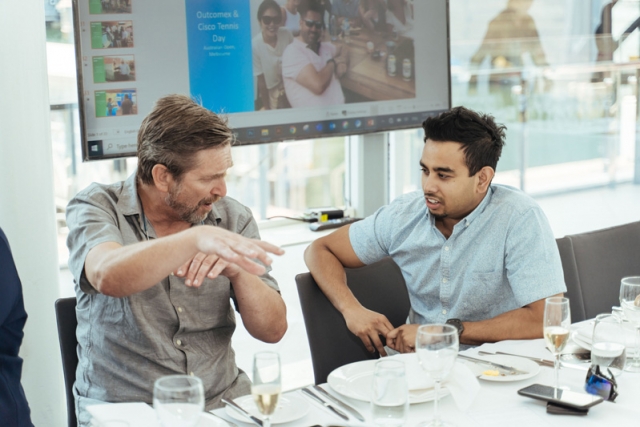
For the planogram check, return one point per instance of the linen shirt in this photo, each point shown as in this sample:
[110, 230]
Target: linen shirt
[500, 257]
[125, 344]
[296, 57]
[267, 59]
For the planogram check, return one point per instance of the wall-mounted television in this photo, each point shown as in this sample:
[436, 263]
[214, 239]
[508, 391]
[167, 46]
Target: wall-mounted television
[392, 71]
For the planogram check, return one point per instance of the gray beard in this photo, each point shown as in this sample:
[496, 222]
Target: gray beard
[185, 212]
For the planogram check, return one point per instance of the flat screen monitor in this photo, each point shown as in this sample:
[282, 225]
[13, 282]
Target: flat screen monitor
[390, 68]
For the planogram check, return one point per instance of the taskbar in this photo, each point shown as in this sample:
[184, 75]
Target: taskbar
[329, 128]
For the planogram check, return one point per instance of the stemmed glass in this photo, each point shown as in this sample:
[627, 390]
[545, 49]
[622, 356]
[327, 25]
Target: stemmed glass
[178, 400]
[608, 344]
[557, 320]
[267, 384]
[437, 348]
[630, 302]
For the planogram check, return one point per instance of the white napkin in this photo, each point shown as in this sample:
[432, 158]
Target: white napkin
[462, 383]
[137, 414]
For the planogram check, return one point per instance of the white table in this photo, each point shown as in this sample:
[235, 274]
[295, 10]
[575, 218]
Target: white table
[498, 404]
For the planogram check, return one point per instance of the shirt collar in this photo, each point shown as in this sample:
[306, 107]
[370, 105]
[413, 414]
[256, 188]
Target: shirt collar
[129, 202]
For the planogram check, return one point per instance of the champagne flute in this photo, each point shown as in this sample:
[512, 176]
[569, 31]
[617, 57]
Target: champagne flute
[267, 385]
[630, 302]
[178, 400]
[557, 320]
[437, 348]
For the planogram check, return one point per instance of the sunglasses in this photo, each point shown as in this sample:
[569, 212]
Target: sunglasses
[268, 20]
[318, 24]
[599, 384]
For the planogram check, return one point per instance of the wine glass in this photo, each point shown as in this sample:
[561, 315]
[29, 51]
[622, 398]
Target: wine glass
[437, 348]
[630, 302]
[178, 400]
[390, 397]
[608, 344]
[557, 320]
[267, 385]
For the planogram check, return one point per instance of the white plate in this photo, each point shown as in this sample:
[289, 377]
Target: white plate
[290, 408]
[578, 339]
[208, 420]
[529, 366]
[355, 380]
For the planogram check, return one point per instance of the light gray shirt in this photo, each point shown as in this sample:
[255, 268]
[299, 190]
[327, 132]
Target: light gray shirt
[500, 257]
[125, 344]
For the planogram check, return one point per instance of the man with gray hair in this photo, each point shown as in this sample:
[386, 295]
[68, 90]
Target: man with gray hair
[156, 260]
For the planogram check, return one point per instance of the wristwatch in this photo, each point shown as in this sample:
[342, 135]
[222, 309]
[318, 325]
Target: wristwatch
[335, 64]
[456, 323]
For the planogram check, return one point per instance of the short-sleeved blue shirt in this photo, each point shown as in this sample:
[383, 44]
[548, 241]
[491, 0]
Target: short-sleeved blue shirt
[500, 257]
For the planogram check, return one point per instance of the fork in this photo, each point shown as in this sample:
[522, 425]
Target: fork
[226, 421]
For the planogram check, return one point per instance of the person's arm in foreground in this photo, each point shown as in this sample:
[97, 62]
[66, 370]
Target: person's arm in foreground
[520, 324]
[118, 271]
[326, 258]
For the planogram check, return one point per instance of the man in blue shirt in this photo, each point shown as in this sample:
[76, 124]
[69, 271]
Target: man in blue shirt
[14, 409]
[479, 256]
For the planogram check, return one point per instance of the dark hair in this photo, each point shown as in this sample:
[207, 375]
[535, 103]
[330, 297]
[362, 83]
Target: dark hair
[481, 138]
[174, 131]
[269, 4]
[311, 6]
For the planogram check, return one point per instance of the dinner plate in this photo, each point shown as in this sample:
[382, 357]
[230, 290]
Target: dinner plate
[355, 380]
[577, 338]
[290, 408]
[529, 366]
[208, 420]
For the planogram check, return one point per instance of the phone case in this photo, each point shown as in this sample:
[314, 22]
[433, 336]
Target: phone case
[553, 408]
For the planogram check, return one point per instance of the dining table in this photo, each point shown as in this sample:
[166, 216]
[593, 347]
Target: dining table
[497, 403]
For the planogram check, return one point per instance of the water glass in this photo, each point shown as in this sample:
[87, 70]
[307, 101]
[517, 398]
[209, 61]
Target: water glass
[608, 348]
[178, 400]
[267, 384]
[557, 320]
[437, 347]
[390, 398]
[630, 303]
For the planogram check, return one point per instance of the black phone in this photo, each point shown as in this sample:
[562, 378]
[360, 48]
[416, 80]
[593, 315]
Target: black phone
[554, 408]
[569, 398]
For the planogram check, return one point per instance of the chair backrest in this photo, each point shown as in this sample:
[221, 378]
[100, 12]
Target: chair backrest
[574, 292]
[600, 260]
[379, 287]
[67, 322]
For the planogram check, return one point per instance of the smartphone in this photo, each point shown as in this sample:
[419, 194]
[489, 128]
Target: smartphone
[569, 398]
[554, 408]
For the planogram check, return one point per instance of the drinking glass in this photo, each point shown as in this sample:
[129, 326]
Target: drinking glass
[608, 344]
[267, 385]
[557, 320]
[178, 400]
[437, 348]
[390, 398]
[630, 302]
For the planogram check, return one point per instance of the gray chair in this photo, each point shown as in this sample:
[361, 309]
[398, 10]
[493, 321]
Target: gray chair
[67, 323]
[379, 287]
[594, 263]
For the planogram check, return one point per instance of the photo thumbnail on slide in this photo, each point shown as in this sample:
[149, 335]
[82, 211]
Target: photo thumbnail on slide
[97, 7]
[374, 62]
[116, 102]
[117, 68]
[111, 34]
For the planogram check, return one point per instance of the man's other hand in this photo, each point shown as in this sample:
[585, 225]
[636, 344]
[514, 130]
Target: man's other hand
[202, 265]
[403, 339]
[368, 326]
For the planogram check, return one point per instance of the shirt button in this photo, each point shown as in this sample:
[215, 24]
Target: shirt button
[179, 309]
[179, 342]
[446, 248]
[444, 311]
[444, 280]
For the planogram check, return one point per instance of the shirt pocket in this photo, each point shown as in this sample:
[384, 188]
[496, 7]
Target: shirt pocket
[214, 301]
[489, 295]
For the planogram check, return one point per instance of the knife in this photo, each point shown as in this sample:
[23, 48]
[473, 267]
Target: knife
[335, 410]
[539, 361]
[339, 403]
[510, 369]
[241, 410]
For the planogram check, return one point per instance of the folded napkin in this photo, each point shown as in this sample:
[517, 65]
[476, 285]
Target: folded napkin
[461, 383]
[136, 414]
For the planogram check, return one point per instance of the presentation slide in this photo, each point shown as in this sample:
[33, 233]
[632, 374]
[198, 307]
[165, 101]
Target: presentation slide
[389, 59]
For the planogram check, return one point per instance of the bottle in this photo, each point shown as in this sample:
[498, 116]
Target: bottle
[406, 69]
[391, 65]
[333, 28]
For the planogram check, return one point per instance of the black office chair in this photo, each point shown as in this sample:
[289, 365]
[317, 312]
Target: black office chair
[67, 323]
[602, 258]
[379, 287]
[571, 279]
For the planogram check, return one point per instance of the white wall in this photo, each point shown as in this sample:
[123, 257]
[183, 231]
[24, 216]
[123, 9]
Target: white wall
[27, 213]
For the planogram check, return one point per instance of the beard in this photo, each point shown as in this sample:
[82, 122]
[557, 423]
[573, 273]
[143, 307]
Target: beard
[439, 216]
[186, 212]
